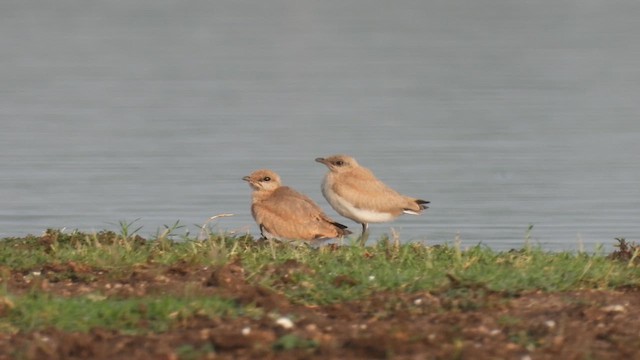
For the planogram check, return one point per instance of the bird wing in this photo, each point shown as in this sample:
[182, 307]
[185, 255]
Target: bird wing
[364, 191]
[292, 215]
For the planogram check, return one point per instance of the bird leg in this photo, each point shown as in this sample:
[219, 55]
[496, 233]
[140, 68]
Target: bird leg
[365, 234]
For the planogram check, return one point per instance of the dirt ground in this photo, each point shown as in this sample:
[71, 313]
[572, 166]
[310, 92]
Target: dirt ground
[455, 322]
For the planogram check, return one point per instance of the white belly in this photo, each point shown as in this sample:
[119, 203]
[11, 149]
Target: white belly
[346, 209]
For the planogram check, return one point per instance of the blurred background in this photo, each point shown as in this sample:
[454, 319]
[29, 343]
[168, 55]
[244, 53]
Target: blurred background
[503, 113]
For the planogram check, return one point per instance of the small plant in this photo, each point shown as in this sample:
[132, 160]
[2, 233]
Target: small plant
[169, 231]
[628, 252]
[126, 230]
[188, 351]
[292, 341]
[527, 238]
[509, 321]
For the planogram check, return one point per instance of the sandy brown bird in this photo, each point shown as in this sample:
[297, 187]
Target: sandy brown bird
[355, 193]
[283, 213]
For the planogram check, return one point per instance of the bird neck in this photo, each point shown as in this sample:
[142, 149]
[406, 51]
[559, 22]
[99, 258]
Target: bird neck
[260, 195]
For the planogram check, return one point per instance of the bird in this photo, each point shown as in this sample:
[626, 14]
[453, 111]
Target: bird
[282, 213]
[354, 192]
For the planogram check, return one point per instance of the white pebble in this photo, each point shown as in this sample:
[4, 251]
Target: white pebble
[246, 331]
[614, 308]
[550, 324]
[285, 322]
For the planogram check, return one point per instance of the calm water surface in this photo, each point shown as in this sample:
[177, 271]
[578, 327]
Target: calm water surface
[502, 113]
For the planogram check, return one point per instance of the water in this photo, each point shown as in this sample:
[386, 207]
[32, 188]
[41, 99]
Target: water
[502, 113]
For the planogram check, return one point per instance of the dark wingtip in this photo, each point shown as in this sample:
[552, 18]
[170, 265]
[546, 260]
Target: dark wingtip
[343, 231]
[337, 224]
[423, 204]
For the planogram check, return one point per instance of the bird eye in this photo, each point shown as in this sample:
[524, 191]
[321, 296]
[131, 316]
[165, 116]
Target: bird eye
[339, 163]
[266, 178]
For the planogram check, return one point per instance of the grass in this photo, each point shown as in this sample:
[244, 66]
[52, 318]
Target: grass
[306, 275]
[290, 341]
[133, 315]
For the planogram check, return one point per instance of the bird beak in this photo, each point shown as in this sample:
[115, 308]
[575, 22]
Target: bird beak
[246, 178]
[321, 160]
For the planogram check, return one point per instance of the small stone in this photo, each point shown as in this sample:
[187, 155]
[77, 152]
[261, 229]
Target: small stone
[174, 315]
[417, 301]
[246, 331]
[205, 334]
[614, 308]
[44, 285]
[550, 324]
[285, 322]
[558, 340]
[162, 279]
[5, 305]
[512, 346]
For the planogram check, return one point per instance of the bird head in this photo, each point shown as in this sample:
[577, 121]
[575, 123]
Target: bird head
[338, 163]
[263, 180]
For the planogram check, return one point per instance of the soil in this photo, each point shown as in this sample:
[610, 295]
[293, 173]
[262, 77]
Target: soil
[455, 322]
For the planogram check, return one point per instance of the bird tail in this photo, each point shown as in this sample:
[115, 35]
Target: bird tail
[342, 229]
[417, 206]
[422, 204]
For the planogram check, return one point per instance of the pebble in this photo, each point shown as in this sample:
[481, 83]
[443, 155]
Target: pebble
[285, 322]
[614, 308]
[550, 324]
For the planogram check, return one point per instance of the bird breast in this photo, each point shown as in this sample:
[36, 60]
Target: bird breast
[346, 209]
